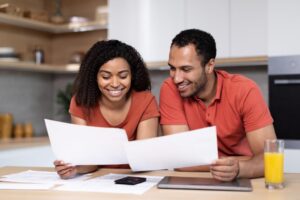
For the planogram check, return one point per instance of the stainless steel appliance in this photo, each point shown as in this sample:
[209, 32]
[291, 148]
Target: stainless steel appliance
[284, 95]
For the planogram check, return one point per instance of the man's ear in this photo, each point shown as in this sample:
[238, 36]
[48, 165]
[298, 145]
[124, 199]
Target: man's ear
[210, 66]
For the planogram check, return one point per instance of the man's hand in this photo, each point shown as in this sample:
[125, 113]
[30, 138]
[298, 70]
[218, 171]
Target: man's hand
[225, 169]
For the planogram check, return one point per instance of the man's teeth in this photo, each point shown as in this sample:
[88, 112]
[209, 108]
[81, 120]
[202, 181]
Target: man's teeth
[182, 86]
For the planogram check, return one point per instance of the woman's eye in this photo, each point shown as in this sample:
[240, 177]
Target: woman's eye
[105, 77]
[123, 76]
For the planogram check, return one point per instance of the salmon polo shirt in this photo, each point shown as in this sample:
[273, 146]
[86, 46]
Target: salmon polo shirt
[238, 108]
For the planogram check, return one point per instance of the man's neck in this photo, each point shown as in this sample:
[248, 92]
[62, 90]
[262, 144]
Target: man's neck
[210, 89]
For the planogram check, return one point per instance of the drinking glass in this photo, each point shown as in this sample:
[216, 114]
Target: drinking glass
[273, 160]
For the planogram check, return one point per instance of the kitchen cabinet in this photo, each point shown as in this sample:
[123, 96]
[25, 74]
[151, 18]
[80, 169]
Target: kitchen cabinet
[211, 16]
[239, 27]
[248, 28]
[147, 25]
[58, 41]
[283, 27]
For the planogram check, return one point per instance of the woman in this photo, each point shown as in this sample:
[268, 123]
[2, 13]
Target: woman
[112, 89]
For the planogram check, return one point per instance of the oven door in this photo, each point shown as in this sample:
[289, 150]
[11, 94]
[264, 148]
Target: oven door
[284, 102]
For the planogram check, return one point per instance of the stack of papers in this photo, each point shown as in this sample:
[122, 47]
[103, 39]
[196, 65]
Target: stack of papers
[35, 180]
[106, 184]
[42, 180]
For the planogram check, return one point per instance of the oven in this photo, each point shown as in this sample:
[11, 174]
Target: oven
[284, 95]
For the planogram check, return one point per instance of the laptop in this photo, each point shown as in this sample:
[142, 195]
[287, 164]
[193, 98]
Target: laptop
[196, 183]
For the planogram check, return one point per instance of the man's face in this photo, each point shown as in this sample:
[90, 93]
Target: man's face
[186, 70]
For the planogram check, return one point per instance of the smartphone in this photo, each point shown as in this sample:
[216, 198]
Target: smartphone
[130, 180]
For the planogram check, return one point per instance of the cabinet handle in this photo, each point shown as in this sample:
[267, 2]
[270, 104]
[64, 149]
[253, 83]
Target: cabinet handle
[286, 81]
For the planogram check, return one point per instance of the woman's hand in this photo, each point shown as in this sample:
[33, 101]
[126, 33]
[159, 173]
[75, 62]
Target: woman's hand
[65, 170]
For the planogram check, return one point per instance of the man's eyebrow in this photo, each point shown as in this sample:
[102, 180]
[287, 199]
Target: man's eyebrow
[170, 65]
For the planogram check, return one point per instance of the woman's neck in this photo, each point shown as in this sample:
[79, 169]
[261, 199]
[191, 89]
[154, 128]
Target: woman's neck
[114, 105]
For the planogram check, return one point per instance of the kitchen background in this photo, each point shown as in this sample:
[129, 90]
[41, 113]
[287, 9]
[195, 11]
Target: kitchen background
[43, 41]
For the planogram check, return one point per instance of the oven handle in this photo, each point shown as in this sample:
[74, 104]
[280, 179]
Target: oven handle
[286, 81]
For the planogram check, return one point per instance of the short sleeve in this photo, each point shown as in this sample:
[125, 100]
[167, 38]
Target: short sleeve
[151, 110]
[255, 111]
[76, 110]
[171, 105]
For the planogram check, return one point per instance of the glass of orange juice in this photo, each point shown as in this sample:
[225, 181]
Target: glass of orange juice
[273, 160]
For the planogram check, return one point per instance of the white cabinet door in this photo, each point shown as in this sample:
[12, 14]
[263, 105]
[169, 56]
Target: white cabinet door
[283, 27]
[248, 28]
[211, 16]
[148, 25]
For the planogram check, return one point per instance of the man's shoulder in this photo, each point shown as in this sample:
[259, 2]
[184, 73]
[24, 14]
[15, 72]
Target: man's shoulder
[168, 83]
[236, 80]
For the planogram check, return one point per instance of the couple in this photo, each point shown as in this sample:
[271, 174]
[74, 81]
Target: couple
[112, 89]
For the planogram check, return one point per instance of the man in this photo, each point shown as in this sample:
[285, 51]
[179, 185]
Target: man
[197, 96]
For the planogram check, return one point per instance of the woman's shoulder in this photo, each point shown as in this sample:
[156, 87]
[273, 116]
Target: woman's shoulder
[142, 95]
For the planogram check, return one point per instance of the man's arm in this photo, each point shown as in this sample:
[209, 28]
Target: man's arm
[226, 169]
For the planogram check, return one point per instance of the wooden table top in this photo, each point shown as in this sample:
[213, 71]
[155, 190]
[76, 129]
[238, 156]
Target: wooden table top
[291, 190]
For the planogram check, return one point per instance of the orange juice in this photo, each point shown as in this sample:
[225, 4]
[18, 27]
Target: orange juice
[273, 167]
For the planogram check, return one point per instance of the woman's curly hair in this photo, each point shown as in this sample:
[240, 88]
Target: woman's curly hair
[85, 87]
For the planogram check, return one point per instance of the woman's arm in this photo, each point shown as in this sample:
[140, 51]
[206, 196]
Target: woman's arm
[147, 128]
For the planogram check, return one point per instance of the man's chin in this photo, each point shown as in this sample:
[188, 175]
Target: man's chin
[185, 94]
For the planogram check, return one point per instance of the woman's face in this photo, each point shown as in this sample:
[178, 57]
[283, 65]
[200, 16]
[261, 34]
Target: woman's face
[114, 79]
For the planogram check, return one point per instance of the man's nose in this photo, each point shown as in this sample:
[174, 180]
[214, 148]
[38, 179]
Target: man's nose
[177, 76]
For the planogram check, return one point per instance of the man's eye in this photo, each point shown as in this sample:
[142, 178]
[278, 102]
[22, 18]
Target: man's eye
[186, 69]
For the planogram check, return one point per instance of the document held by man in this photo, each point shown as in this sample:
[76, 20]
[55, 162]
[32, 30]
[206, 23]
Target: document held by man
[87, 145]
[186, 149]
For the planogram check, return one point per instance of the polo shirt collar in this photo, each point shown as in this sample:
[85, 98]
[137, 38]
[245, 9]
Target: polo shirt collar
[219, 85]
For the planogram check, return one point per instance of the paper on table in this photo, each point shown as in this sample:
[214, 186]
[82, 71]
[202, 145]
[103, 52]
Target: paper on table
[43, 177]
[106, 184]
[191, 148]
[87, 145]
[24, 186]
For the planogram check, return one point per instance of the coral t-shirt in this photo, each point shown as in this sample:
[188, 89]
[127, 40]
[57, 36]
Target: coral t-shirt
[143, 107]
[237, 109]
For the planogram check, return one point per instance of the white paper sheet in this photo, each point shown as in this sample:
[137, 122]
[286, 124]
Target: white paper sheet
[192, 148]
[42, 177]
[87, 145]
[106, 184]
[24, 186]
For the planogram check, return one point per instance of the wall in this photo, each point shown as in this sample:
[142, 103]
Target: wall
[31, 96]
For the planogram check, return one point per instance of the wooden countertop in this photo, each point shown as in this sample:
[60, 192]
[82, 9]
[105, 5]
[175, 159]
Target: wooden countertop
[291, 191]
[23, 143]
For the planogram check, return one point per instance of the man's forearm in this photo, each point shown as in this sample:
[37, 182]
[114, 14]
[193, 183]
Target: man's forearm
[202, 168]
[252, 168]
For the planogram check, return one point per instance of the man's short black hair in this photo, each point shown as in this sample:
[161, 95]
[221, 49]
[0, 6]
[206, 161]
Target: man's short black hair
[204, 43]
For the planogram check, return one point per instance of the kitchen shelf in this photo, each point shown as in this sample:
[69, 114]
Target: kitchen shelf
[51, 28]
[44, 68]
[163, 65]
[220, 62]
